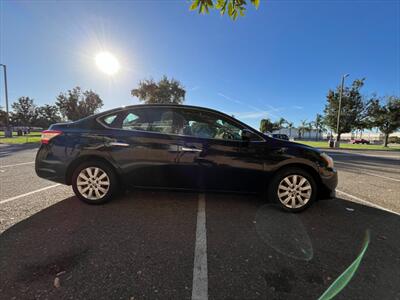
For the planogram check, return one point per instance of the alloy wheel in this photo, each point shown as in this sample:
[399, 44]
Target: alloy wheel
[93, 183]
[294, 191]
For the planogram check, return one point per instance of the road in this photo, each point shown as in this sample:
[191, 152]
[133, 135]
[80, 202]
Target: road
[373, 176]
[180, 245]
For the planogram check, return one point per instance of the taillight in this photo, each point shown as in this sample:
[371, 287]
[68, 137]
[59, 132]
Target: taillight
[47, 135]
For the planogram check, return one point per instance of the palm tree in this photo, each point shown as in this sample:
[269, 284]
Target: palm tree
[280, 123]
[290, 126]
[266, 125]
[302, 128]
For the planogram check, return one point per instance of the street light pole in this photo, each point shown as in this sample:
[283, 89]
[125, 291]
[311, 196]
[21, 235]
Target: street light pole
[339, 110]
[7, 132]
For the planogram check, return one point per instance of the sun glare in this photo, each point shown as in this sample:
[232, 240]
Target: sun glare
[107, 63]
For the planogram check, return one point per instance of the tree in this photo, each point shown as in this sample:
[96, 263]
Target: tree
[266, 125]
[318, 123]
[75, 104]
[165, 91]
[303, 128]
[353, 108]
[24, 112]
[47, 115]
[3, 117]
[310, 127]
[290, 126]
[386, 117]
[235, 8]
[280, 123]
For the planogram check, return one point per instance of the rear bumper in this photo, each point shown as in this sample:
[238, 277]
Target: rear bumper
[48, 166]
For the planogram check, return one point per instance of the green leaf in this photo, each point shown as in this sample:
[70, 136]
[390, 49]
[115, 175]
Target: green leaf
[220, 4]
[230, 9]
[194, 5]
[256, 3]
[341, 282]
[235, 15]
[202, 8]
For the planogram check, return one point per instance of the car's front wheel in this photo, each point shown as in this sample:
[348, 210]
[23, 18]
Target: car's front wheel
[94, 182]
[293, 189]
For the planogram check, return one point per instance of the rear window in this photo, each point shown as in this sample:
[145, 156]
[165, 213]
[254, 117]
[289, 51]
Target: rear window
[109, 119]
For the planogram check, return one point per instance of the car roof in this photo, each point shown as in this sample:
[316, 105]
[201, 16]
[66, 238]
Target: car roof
[160, 105]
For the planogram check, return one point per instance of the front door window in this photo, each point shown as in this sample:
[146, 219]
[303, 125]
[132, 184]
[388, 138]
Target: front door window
[207, 125]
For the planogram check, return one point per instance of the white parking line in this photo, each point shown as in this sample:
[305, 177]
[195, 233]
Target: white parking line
[20, 164]
[385, 177]
[365, 202]
[368, 173]
[200, 280]
[27, 194]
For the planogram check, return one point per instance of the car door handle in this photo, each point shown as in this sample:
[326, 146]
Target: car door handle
[119, 144]
[187, 149]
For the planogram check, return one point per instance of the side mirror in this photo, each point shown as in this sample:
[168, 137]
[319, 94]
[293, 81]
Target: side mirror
[248, 135]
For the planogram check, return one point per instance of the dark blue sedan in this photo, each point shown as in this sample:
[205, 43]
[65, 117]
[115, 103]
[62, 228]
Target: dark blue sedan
[180, 147]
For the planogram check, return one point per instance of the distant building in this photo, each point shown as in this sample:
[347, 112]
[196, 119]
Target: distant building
[294, 133]
[368, 135]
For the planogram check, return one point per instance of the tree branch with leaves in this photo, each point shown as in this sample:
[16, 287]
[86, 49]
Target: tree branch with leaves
[166, 91]
[385, 116]
[75, 104]
[234, 8]
[353, 108]
[24, 112]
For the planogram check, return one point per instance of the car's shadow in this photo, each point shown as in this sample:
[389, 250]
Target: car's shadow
[142, 245]
[10, 149]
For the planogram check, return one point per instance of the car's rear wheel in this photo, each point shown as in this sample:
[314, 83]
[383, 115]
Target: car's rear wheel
[94, 182]
[293, 189]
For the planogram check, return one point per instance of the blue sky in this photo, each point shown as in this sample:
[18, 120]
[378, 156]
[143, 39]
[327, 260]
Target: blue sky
[276, 62]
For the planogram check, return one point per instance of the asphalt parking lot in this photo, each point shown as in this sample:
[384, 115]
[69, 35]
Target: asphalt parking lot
[180, 245]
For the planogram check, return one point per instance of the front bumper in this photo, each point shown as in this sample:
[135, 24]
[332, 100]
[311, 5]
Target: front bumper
[329, 180]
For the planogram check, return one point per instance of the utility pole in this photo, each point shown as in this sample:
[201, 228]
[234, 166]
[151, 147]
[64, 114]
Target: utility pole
[339, 110]
[7, 132]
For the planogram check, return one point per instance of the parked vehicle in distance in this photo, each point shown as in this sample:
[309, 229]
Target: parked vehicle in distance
[280, 136]
[359, 141]
[180, 147]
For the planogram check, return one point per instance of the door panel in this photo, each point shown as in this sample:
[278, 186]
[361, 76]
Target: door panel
[189, 171]
[148, 160]
[233, 166]
[226, 162]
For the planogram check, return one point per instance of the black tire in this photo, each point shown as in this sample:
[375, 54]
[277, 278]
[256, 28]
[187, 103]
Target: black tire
[280, 176]
[106, 168]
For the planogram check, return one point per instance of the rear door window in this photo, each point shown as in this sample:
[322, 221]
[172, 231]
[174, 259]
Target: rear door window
[135, 120]
[159, 120]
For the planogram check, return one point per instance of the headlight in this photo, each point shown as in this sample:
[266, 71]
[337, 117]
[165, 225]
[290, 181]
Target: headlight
[328, 159]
